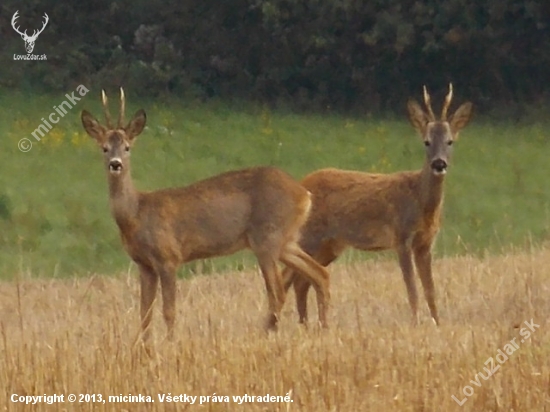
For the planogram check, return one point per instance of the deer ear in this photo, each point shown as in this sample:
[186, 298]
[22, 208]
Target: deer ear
[461, 117]
[137, 124]
[92, 126]
[417, 116]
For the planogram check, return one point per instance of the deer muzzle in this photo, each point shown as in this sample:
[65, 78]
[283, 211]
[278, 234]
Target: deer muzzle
[439, 166]
[115, 165]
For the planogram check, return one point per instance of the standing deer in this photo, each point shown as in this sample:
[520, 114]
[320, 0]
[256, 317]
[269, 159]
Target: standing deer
[374, 212]
[261, 208]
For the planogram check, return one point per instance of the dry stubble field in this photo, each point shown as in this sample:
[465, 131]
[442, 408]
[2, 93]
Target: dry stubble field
[76, 336]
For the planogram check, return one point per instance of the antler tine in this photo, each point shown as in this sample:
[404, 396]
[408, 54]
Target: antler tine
[447, 103]
[14, 22]
[46, 20]
[106, 109]
[14, 18]
[122, 109]
[428, 105]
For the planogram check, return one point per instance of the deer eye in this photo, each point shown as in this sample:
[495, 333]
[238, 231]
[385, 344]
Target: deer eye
[426, 143]
[127, 148]
[450, 142]
[105, 149]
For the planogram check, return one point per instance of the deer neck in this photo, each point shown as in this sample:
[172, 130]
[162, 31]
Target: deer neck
[123, 198]
[431, 190]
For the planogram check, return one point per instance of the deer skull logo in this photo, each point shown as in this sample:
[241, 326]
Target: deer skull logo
[29, 40]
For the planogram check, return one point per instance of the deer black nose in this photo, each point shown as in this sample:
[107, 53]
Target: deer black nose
[115, 165]
[439, 165]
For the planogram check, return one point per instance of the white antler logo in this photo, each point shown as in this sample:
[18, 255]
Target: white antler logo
[29, 40]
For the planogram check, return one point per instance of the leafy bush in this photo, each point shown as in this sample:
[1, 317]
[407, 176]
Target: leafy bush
[311, 53]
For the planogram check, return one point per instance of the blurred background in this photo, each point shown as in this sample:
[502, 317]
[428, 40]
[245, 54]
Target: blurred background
[309, 54]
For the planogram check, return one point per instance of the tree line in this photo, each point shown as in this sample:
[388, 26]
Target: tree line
[313, 54]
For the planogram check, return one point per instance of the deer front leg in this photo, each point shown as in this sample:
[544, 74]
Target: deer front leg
[169, 289]
[405, 262]
[149, 281]
[423, 261]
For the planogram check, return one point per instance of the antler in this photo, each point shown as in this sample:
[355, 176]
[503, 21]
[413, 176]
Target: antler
[120, 123]
[447, 103]
[428, 105]
[37, 32]
[13, 21]
[122, 109]
[106, 109]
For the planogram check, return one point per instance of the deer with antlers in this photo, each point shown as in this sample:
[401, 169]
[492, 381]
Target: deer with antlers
[29, 40]
[374, 212]
[260, 208]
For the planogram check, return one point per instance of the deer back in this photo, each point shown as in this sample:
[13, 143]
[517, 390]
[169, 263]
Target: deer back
[368, 210]
[215, 216]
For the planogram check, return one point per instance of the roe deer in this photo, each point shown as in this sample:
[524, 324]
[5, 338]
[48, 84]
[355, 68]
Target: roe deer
[374, 212]
[261, 208]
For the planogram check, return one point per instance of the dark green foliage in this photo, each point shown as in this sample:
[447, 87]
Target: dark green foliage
[314, 54]
[5, 207]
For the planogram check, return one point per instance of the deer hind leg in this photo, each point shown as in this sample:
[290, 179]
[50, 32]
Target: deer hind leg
[273, 285]
[295, 258]
[325, 255]
[267, 248]
[311, 248]
[423, 261]
[301, 289]
[169, 291]
[149, 282]
[404, 253]
[289, 276]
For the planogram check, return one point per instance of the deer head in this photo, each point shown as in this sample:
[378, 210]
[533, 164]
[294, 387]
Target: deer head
[29, 40]
[438, 135]
[115, 142]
